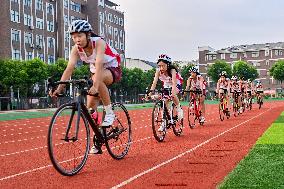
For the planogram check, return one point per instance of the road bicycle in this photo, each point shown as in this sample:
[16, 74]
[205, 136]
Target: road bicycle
[164, 115]
[69, 138]
[194, 112]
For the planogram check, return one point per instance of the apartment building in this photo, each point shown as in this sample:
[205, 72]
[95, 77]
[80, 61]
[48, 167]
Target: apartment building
[39, 28]
[262, 56]
[138, 63]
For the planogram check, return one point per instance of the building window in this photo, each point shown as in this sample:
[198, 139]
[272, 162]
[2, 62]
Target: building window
[67, 38]
[234, 55]
[15, 17]
[75, 6]
[39, 5]
[210, 57]
[255, 54]
[50, 42]
[121, 21]
[29, 38]
[66, 20]
[39, 23]
[223, 56]
[15, 35]
[41, 56]
[39, 41]
[29, 55]
[278, 52]
[66, 50]
[50, 26]
[16, 54]
[27, 19]
[27, 3]
[66, 4]
[49, 9]
[267, 62]
[15, 1]
[267, 52]
[50, 59]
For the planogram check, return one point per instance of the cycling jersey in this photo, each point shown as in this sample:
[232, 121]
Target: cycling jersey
[235, 86]
[196, 84]
[259, 88]
[168, 83]
[111, 57]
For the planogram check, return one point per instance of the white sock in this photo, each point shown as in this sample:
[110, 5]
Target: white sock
[108, 109]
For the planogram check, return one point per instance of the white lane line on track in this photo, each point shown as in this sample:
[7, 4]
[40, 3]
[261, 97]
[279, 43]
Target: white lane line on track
[183, 154]
[47, 166]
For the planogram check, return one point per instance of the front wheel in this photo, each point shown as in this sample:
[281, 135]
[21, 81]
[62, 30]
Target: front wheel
[118, 136]
[68, 140]
[191, 116]
[159, 122]
[221, 111]
[178, 123]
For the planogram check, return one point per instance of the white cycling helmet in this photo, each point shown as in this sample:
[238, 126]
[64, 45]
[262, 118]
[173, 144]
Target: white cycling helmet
[234, 78]
[193, 69]
[223, 73]
[80, 26]
[165, 58]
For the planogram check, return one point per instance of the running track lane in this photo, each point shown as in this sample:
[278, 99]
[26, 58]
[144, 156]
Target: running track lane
[103, 172]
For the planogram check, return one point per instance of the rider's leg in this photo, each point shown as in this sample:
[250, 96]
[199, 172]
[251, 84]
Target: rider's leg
[179, 109]
[107, 79]
[202, 100]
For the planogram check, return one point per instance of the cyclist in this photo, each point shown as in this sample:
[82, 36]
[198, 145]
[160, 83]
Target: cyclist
[243, 84]
[223, 87]
[170, 78]
[104, 67]
[259, 90]
[250, 89]
[196, 82]
[235, 87]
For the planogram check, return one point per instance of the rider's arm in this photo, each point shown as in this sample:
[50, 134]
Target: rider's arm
[218, 86]
[187, 84]
[99, 63]
[174, 80]
[70, 67]
[155, 81]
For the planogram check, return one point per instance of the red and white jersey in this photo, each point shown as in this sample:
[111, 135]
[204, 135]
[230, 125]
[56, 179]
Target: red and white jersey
[259, 87]
[224, 84]
[235, 86]
[111, 57]
[197, 84]
[167, 80]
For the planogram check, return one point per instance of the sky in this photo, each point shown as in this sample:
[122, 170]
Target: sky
[179, 27]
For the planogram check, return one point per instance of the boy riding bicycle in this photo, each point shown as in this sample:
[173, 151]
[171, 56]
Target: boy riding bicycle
[223, 88]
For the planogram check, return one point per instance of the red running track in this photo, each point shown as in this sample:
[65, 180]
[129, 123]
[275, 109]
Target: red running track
[200, 158]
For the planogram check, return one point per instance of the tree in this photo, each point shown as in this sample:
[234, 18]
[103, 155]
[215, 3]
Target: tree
[56, 70]
[277, 70]
[215, 69]
[245, 71]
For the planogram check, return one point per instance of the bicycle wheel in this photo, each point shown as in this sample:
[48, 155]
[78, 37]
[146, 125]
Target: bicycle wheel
[67, 152]
[221, 111]
[159, 121]
[118, 136]
[235, 109]
[191, 116]
[178, 123]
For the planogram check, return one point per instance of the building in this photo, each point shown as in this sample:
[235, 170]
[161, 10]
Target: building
[137, 63]
[39, 28]
[262, 56]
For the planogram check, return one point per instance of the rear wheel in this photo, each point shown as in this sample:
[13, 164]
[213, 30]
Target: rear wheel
[191, 115]
[159, 122]
[221, 111]
[68, 152]
[118, 136]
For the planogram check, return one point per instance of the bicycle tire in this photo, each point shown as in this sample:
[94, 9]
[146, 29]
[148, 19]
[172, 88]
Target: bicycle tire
[58, 165]
[221, 111]
[159, 135]
[178, 124]
[113, 134]
[191, 116]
